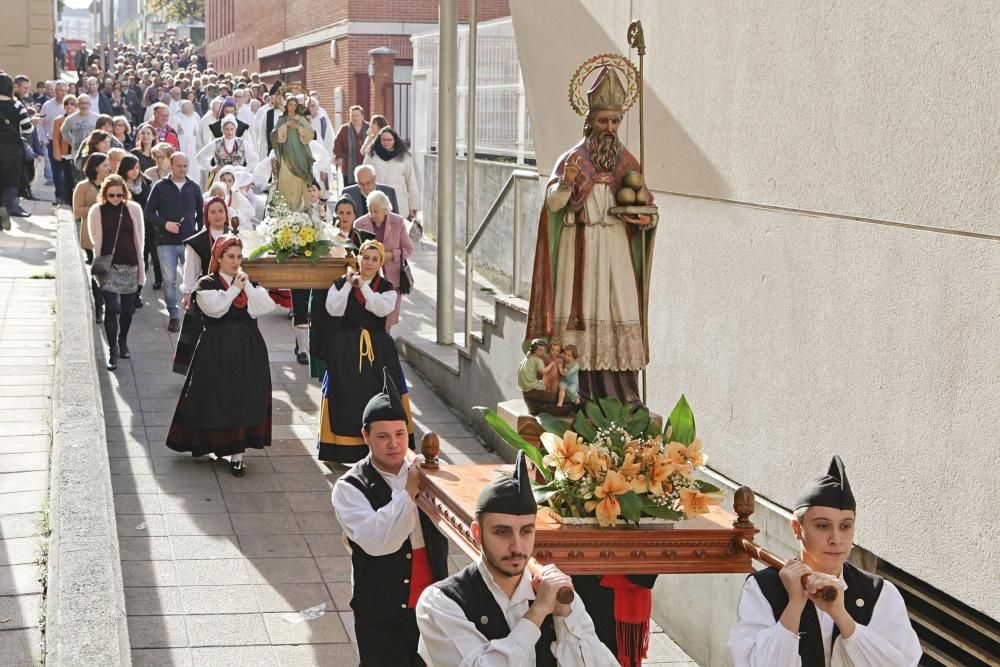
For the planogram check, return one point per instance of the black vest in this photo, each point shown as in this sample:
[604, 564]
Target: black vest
[861, 586]
[202, 245]
[382, 583]
[471, 594]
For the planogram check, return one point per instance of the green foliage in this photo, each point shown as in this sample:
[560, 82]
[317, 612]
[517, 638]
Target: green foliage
[510, 436]
[554, 424]
[182, 11]
[631, 505]
[649, 508]
[600, 414]
[680, 425]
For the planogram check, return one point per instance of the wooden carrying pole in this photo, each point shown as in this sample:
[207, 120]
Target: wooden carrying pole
[743, 503]
[430, 446]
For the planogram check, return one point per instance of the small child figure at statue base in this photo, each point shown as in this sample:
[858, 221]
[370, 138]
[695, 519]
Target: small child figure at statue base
[530, 372]
[569, 385]
[554, 366]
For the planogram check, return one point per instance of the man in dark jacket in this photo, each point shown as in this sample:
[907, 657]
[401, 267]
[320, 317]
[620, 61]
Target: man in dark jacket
[365, 175]
[175, 209]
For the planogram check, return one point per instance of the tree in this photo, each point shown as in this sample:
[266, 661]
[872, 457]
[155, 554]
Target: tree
[181, 11]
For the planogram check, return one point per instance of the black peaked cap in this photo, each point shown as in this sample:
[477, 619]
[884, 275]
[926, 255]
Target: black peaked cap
[830, 490]
[386, 405]
[509, 495]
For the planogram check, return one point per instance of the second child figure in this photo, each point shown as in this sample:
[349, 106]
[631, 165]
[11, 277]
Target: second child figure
[569, 385]
[554, 364]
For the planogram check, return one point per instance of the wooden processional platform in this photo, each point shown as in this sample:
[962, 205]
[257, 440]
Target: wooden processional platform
[712, 543]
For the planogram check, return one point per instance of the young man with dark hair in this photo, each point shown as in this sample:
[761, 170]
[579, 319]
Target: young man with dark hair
[785, 621]
[491, 612]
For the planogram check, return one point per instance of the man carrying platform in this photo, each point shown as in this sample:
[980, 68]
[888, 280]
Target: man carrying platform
[490, 613]
[784, 620]
[395, 549]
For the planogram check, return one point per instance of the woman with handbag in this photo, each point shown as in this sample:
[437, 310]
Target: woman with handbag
[15, 129]
[95, 170]
[118, 232]
[389, 230]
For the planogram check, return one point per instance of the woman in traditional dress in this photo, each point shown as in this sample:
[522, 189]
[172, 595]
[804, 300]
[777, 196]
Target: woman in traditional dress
[393, 163]
[293, 158]
[225, 404]
[228, 150]
[228, 108]
[390, 230]
[117, 228]
[197, 258]
[241, 208]
[357, 351]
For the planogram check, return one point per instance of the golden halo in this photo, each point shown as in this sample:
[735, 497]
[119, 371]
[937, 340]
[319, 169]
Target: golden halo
[624, 66]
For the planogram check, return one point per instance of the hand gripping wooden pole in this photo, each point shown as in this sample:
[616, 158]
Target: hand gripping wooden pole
[743, 503]
[430, 447]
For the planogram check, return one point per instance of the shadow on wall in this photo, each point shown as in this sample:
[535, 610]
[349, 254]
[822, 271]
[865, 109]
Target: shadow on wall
[549, 59]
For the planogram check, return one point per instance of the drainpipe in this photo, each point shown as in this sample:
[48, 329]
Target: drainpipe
[447, 125]
[470, 164]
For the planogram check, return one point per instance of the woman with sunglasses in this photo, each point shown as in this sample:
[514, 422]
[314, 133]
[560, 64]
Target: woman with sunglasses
[117, 228]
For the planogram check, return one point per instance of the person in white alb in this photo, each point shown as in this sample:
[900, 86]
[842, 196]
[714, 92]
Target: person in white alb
[784, 621]
[395, 549]
[491, 614]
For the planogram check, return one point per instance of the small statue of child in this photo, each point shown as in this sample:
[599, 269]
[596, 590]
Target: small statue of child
[554, 367]
[530, 372]
[569, 385]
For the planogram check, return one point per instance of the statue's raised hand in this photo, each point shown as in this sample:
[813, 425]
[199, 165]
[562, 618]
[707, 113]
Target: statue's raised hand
[571, 170]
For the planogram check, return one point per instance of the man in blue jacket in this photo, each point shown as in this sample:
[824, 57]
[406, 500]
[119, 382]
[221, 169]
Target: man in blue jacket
[175, 209]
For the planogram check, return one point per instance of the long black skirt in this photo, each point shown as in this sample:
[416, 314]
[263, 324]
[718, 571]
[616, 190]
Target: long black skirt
[225, 405]
[350, 382]
[187, 341]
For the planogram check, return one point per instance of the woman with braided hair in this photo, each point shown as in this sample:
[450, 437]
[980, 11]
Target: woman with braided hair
[356, 351]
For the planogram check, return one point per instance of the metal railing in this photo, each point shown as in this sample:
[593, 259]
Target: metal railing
[513, 183]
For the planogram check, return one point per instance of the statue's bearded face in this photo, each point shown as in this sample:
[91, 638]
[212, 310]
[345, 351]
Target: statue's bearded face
[601, 130]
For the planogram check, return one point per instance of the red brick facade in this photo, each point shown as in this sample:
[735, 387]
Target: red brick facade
[236, 29]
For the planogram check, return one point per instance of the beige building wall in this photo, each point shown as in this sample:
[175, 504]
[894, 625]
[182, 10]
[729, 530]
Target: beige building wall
[27, 28]
[826, 271]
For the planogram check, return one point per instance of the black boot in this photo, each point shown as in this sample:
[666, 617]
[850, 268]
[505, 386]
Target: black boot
[99, 314]
[123, 352]
[112, 359]
[301, 356]
[4, 219]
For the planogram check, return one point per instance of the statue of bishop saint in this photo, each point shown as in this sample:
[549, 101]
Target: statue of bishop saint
[589, 263]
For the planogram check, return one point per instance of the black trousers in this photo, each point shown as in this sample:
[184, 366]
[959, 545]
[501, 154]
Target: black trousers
[300, 306]
[118, 311]
[11, 166]
[390, 642]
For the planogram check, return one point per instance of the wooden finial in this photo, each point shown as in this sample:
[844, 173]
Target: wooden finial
[743, 504]
[430, 447]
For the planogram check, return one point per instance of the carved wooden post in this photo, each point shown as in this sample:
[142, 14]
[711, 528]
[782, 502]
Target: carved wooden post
[430, 447]
[743, 505]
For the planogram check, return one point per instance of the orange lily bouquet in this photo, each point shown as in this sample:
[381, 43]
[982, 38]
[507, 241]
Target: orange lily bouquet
[613, 462]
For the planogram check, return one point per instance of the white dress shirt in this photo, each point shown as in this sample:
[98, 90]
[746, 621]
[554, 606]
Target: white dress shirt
[380, 305]
[449, 639]
[383, 531]
[216, 302]
[757, 640]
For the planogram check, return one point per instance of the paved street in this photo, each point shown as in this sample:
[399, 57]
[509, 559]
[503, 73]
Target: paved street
[27, 318]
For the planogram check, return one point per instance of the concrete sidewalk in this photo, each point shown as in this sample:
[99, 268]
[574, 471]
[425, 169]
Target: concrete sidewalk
[27, 330]
[213, 564]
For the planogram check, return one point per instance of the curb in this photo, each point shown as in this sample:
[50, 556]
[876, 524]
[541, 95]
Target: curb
[85, 608]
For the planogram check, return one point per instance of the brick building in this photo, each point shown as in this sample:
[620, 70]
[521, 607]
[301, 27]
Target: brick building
[339, 48]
